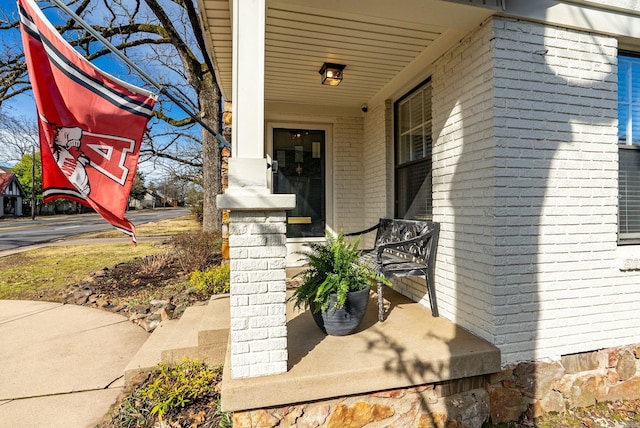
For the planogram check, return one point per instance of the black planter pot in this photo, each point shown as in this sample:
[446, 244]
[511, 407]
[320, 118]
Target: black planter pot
[343, 321]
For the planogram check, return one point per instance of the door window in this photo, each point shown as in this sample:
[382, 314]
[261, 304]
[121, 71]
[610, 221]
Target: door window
[300, 170]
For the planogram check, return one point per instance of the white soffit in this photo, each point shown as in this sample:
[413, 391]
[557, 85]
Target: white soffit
[374, 50]
[375, 39]
[216, 17]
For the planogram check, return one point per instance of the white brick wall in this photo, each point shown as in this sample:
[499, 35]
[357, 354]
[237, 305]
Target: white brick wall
[556, 190]
[258, 301]
[463, 183]
[525, 186]
[378, 166]
[348, 198]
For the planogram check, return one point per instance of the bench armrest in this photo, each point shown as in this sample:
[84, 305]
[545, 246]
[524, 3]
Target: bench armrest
[362, 232]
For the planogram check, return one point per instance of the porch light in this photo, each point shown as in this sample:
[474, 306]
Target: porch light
[331, 73]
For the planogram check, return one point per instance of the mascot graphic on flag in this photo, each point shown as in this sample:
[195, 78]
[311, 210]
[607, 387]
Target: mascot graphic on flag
[70, 158]
[86, 160]
[81, 154]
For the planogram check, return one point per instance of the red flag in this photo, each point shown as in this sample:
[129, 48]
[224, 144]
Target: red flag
[91, 124]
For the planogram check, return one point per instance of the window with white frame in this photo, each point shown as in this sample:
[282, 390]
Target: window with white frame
[413, 144]
[628, 148]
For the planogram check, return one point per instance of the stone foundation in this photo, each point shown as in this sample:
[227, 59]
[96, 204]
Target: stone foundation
[462, 403]
[578, 380]
[524, 390]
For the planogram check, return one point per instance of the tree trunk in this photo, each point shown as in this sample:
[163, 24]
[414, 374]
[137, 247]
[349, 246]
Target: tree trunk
[211, 179]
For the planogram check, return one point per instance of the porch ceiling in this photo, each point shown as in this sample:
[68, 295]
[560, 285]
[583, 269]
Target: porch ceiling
[376, 42]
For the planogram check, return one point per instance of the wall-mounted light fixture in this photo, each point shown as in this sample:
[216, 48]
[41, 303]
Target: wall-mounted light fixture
[331, 73]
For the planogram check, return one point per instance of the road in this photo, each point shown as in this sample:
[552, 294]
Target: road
[23, 232]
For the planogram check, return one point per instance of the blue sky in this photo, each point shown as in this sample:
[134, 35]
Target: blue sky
[24, 105]
[109, 63]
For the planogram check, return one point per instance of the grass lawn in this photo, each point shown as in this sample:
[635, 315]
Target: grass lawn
[44, 273]
[157, 228]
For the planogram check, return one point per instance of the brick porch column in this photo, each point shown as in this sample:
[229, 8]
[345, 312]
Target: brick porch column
[257, 238]
[256, 216]
[258, 301]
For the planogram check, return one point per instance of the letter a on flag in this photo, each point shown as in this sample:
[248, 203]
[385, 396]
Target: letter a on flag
[91, 124]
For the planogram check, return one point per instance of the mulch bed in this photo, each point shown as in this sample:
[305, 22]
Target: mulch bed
[144, 290]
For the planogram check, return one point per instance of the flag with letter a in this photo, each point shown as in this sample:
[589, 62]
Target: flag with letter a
[91, 124]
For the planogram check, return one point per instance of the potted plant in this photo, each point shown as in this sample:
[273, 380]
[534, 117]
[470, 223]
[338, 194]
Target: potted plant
[335, 286]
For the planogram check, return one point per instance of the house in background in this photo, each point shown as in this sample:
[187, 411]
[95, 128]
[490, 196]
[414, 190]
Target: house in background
[152, 199]
[511, 123]
[11, 194]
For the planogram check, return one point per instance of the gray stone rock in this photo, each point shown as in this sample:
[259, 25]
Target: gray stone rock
[626, 366]
[469, 409]
[535, 379]
[552, 402]
[121, 307]
[136, 316]
[141, 309]
[580, 362]
[581, 394]
[80, 296]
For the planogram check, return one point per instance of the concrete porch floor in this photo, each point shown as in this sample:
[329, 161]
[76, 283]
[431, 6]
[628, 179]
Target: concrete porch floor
[409, 348]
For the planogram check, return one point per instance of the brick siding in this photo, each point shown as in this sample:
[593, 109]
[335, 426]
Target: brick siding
[378, 166]
[348, 181]
[525, 189]
[525, 184]
[463, 182]
[258, 302]
[556, 190]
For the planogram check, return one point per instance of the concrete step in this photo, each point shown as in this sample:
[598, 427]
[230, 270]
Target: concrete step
[214, 327]
[149, 355]
[183, 342]
[202, 332]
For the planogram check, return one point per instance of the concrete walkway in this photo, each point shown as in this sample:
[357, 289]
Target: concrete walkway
[61, 365]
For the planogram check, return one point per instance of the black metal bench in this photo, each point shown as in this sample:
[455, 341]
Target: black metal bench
[403, 248]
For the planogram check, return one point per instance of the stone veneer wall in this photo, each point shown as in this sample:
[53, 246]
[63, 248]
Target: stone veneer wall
[577, 380]
[525, 390]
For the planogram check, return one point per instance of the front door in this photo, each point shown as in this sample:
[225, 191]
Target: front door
[299, 168]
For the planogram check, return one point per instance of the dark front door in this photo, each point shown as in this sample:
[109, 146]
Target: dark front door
[300, 158]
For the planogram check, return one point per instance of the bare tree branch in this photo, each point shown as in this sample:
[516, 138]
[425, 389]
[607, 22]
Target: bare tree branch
[168, 39]
[189, 60]
[194, 19]
[18, 137]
